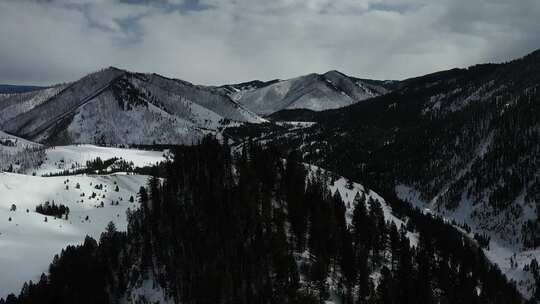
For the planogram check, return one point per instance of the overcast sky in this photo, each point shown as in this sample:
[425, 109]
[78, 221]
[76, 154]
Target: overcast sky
[227, 41]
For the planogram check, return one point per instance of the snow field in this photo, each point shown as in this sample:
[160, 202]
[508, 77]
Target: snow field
[62, 158]
[28, 242]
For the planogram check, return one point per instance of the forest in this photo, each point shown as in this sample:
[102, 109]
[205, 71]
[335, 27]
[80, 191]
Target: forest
[256, 226]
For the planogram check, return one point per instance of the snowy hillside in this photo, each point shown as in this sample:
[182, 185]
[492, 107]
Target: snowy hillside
[53, 111]
[12, 144]
[26, 238]
[22, 156]
[509, 256]
[114, 107]
[348, 191]
[28, 241]
[314, 92]
[12, 105]
[18, 154]
[61, 158]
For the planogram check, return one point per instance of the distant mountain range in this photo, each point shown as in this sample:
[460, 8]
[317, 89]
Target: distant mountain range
[114, 106]
[8, 89]
[462, 145]
[315, 92]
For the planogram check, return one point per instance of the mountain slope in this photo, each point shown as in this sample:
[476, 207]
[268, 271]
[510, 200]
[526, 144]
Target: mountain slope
[13, 144]
[12, 105]
[29, 242]
[238, 88]
[313, 92]
[253, 228]
[18, 154]
[463, 143]
[113, 106]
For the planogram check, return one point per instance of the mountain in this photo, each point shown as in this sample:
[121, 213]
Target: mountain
[29, 242]
[454, 156]
[33, 241]
[13, 105]
[12, 143]
[18, 154]
[462, 143]
[9, 89]
[114, 107]
[219, 228]
[313, 92]
[231, 89]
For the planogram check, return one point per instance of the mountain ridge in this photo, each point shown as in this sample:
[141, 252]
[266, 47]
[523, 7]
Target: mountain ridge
[182, 110]
[462, 143]
[313, 91]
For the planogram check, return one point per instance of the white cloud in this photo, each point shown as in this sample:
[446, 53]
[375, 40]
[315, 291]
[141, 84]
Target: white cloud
[45, 42]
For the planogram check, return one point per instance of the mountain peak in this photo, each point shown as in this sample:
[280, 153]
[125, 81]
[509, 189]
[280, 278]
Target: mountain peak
[316, 92]
[335, 72]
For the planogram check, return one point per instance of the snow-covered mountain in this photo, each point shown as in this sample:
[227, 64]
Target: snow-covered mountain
[315, 92]
[59, 159]
[114, 107]
[28, 242]
[232, 89]
[14, 104]
[13, 144]
[462, 143]
[18, 154]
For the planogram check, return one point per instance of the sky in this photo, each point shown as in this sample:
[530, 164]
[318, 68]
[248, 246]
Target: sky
[228, 41]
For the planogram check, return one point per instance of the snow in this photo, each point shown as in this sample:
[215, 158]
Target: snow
[348, 194]
[98, 109]
[12, 105]
[28, 243]
[314, 92]
[147, 291]
[501, 251]
[295, 125]
[62, 158]
[102, 121]
[17, 154]
[45, 116]
[13, 144]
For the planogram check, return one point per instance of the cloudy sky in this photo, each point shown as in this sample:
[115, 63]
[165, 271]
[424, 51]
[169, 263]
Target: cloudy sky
[225, 41]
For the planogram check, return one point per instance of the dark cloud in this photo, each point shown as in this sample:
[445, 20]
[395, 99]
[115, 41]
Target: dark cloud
[219, 41]
[167, 5]
[394, 7]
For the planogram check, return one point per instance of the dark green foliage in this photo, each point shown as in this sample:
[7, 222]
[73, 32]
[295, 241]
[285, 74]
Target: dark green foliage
[108, 166]
[80, 274]
[244, 228]
[483, 240]
[52, 209]
[129, 96]
[458, 136]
